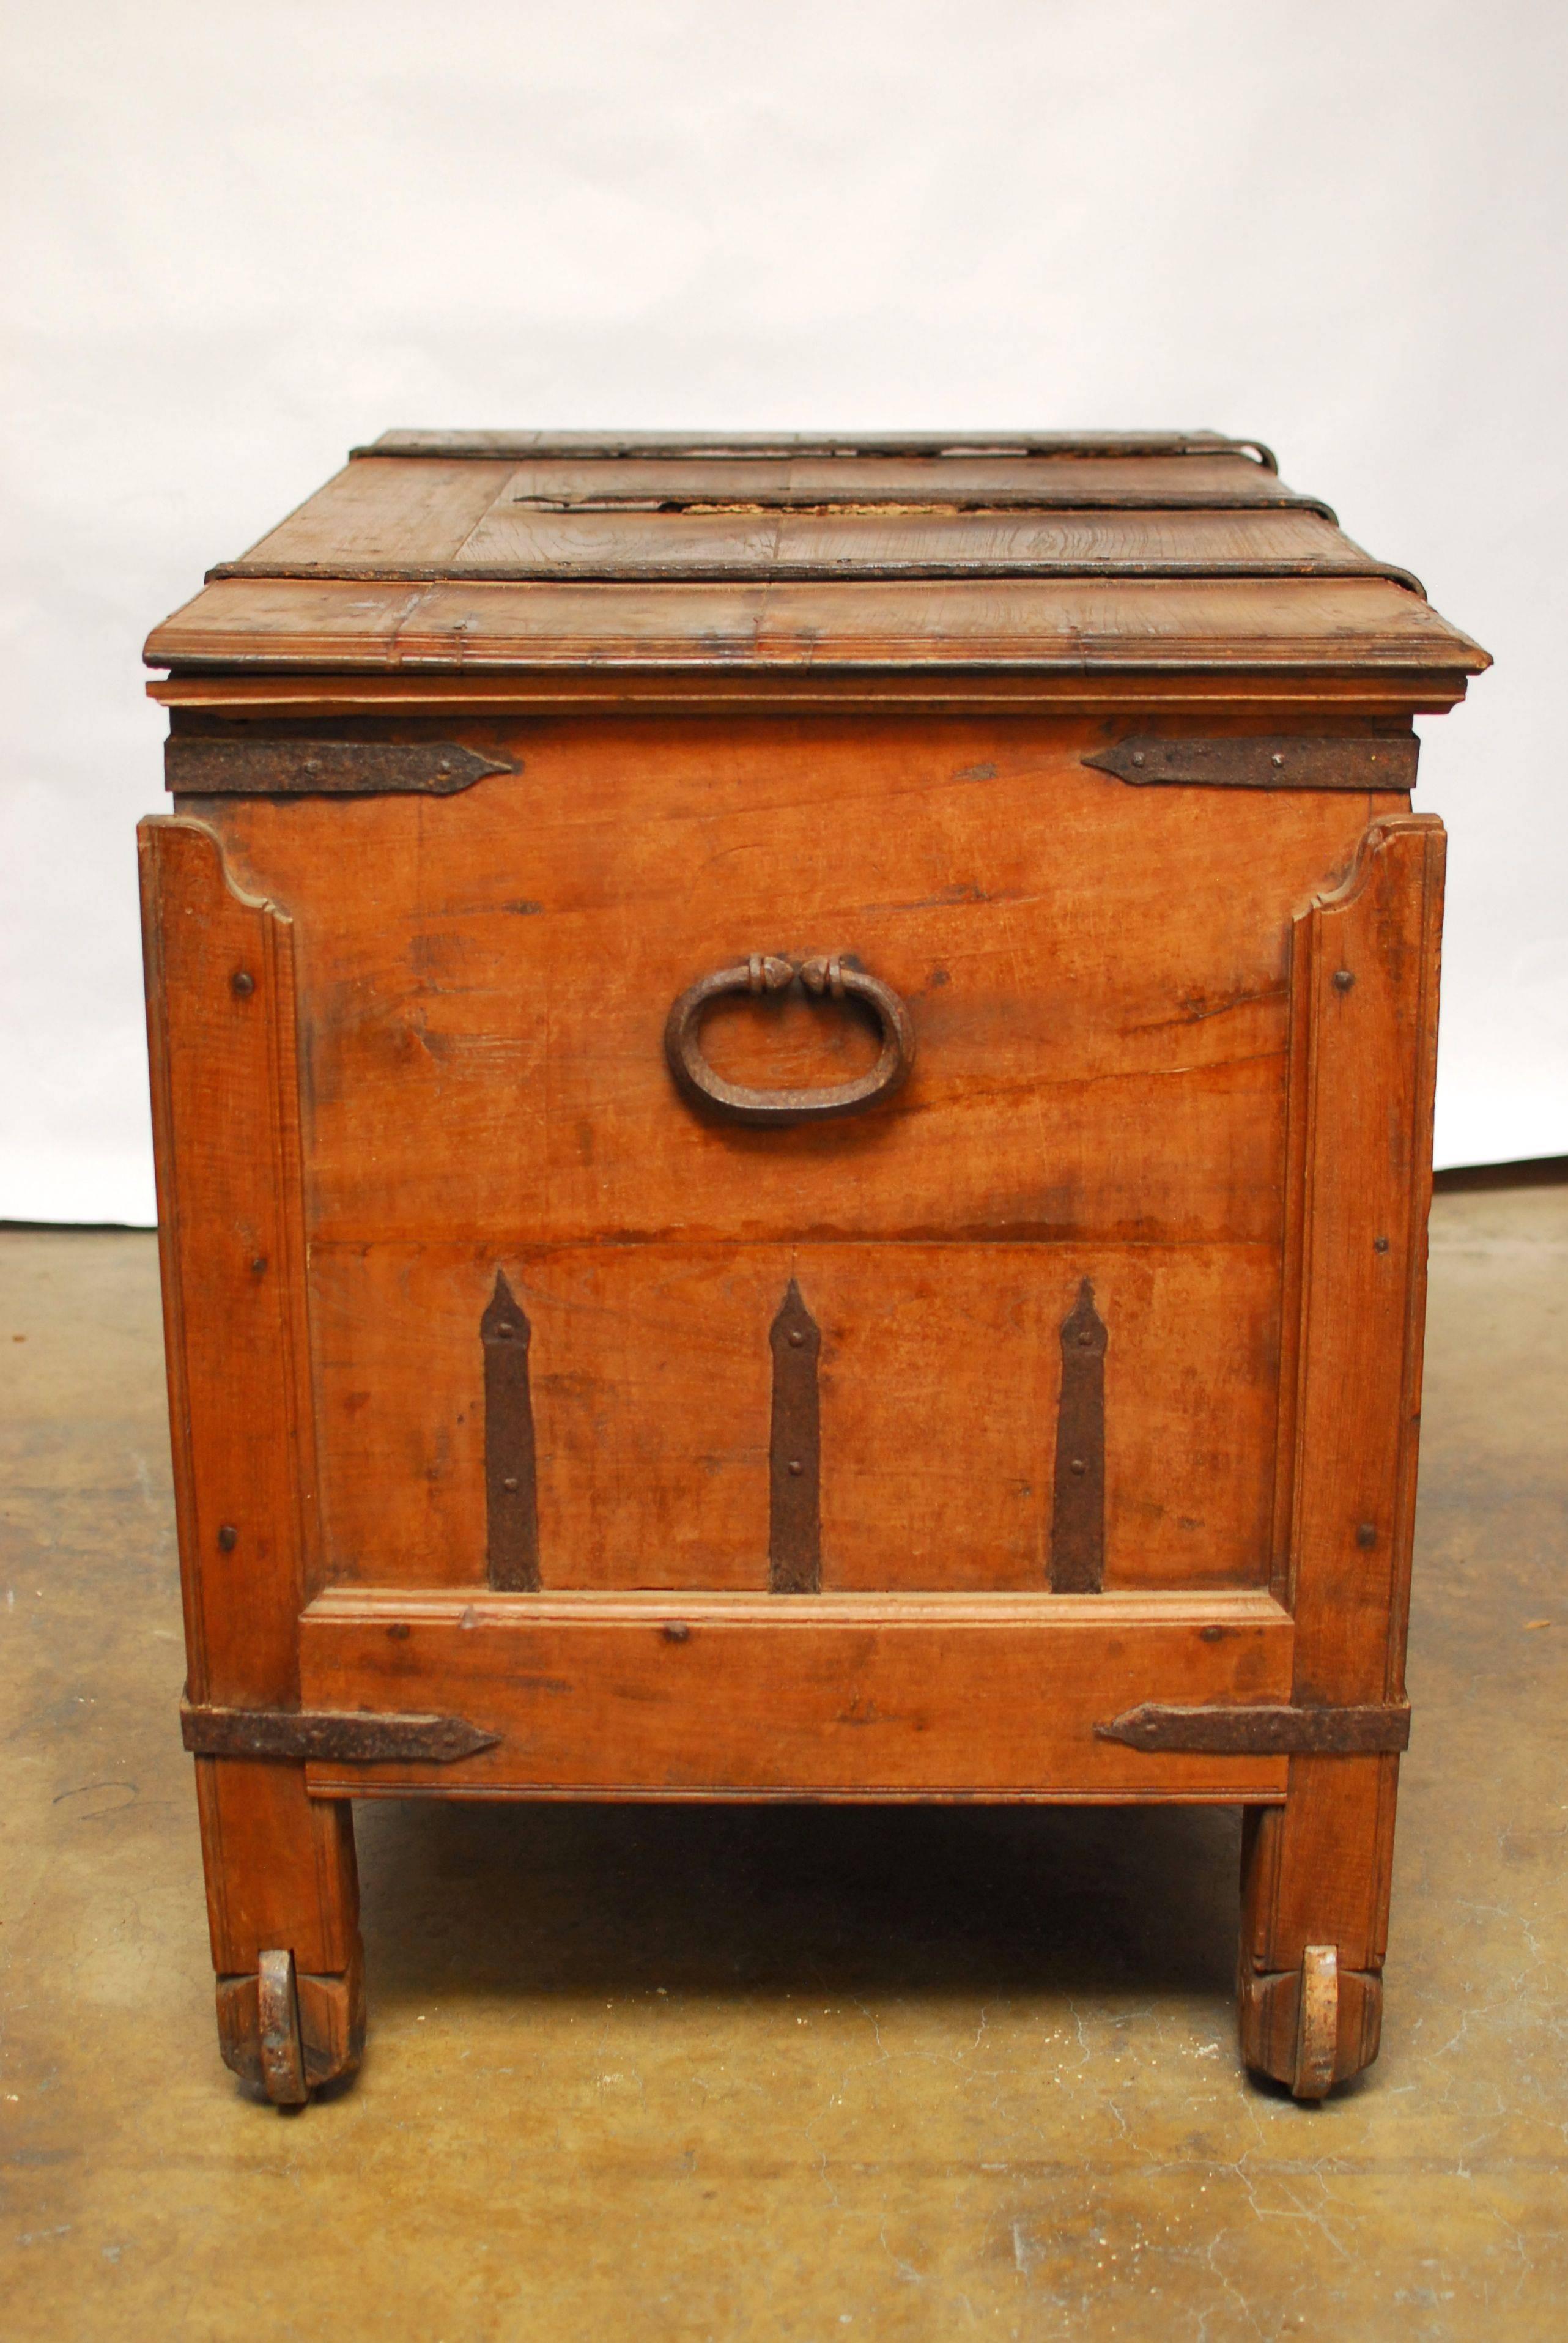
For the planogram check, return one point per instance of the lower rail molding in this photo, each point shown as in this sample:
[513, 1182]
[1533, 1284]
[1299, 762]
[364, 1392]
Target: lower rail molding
[815, 1697]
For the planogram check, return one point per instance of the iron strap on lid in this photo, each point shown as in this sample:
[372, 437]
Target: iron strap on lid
[785, 571]
[818, 557]
[618, 509]
[493, 446]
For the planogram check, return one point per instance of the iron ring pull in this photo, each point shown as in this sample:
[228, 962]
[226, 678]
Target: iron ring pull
[827, 979]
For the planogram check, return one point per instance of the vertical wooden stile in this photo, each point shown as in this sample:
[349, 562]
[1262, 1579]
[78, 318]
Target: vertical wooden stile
[1363, 1037]
[222, 1031]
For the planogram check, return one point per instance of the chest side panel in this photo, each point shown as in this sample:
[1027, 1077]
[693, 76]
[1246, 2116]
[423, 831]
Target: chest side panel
[1097, 980]
[1097, 975]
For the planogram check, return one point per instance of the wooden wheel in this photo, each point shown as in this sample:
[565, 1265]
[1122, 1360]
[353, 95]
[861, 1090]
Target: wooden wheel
[1317, 2023]
[281, 2050]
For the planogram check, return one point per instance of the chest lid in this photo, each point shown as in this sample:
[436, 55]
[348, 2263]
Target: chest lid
[494, 552]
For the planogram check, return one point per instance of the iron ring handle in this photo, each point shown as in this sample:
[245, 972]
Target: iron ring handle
[826, 977]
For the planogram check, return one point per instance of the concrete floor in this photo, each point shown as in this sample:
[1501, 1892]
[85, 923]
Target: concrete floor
[788, 2074]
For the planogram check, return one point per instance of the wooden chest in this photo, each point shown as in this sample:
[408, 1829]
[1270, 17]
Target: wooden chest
[793, 1092]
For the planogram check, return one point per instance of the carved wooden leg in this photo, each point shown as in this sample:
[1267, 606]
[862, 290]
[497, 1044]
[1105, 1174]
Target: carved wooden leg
[225, 1106]
[1314, 1923]
[283, 1901]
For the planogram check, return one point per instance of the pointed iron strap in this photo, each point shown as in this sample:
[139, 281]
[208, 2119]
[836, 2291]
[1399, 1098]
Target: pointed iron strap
[511, 1509]
[794, 1521]
[1288, 760]
[349, 1736]
[1260, 1729]
[1077, 1505]
[196, 765]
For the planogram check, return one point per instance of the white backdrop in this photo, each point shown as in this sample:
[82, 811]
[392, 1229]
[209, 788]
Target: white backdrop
[239, 239]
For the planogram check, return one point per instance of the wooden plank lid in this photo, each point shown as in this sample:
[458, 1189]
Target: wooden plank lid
[493, 550]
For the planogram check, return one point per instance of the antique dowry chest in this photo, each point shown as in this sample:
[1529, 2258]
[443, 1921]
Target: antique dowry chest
[793, 1081]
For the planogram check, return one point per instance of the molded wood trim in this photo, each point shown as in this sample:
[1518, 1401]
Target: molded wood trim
[812, 1695]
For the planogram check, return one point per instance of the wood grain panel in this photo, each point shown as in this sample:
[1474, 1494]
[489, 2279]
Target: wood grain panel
[484, 982]
[941, 1381]
[386, 512]
[796, 1695]
[280, 1866]
[521, 537]
[940, 1366]
[649, 1375]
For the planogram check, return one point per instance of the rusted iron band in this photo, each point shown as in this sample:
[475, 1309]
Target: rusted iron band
[825, 977]
[578, 446]
[511, 1503]
[347, 1736]
[1078, 1508]
[1263, 1729]
[585, 568]
[794, 1455]
[1379, 760]
[196, 765]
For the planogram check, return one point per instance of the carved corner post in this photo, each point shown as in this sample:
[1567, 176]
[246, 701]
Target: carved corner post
[1363, 1034]
[282, 1891]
